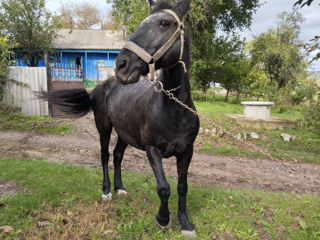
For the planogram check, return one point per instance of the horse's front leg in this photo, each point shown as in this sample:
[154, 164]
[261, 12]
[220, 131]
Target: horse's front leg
[118, 156]
[163, 188]
[105, 133]
[183, 162]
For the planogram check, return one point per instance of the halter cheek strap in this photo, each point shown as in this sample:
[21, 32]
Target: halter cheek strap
[151, 60]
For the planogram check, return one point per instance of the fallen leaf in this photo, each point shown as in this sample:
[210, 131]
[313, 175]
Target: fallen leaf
[6, 229]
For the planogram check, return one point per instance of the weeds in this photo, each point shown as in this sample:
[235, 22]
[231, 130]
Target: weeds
[10, 118]
[63, 202]
[306, 147]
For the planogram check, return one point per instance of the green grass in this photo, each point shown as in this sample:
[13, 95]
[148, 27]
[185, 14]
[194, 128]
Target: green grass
[63, 202]
[306, 148]
[11, 118]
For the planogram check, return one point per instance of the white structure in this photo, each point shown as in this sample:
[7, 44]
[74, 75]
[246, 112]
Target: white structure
[19, 89]
[257, 110]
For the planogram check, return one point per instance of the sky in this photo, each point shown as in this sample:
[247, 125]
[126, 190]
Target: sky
[264, 19]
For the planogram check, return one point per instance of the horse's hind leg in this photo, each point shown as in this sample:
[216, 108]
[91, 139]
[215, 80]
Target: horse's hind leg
[118, 155]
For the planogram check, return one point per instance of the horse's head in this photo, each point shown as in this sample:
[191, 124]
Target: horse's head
[157, 43]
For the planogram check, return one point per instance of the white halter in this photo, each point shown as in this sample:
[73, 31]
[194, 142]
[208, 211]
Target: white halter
[151, 60]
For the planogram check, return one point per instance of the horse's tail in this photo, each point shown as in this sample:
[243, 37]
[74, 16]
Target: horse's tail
[73, 102]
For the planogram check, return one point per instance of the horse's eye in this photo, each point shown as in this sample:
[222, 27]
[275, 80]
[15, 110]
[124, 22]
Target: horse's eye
[164, 23]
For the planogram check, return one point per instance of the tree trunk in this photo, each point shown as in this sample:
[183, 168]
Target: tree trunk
[226, 99]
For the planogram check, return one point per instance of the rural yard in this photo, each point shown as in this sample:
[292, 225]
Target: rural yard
[82, 148]
[237, 82]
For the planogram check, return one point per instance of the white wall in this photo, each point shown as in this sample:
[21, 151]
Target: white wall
[18, 90]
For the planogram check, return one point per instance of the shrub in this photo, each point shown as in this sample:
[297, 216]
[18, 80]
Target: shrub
[5, 49]
[282, 108]
[304, 91]
[312, 115]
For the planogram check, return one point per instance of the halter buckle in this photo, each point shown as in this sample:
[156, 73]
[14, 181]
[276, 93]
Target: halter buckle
[158, 86]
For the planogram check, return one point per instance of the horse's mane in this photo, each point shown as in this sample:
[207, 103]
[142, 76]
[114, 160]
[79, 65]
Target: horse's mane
[161, 5]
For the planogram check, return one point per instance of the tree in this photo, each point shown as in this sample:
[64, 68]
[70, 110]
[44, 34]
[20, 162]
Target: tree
[234, 73]
[128, 14]
[314, 44]
[83, 15]
[304, 2]
[5, 50]
[28, 23]
[278, 52]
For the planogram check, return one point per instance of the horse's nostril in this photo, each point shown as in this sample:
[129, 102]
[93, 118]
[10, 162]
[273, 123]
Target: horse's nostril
[122, 64]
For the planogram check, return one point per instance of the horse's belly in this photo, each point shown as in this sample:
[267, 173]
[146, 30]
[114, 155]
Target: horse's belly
[175, 148]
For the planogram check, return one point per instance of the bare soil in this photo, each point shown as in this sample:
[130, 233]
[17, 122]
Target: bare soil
[8, 187]
[82, 148]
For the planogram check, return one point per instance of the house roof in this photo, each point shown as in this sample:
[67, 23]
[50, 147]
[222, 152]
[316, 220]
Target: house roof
[88, 39]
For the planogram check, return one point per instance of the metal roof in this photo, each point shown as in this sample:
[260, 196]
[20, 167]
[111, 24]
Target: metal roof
[88, 39]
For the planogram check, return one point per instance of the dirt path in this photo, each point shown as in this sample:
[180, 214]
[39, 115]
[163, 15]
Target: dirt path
[83, 148]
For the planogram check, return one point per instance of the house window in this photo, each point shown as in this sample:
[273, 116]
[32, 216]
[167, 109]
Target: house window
[101, 62]
[78, 62]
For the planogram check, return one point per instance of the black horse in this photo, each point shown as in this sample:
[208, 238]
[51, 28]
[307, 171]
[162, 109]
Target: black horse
[142, 117]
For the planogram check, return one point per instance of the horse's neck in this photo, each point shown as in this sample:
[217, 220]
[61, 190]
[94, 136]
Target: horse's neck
[175, 78]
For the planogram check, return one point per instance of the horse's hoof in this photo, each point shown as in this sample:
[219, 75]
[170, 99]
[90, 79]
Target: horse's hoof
[107, 197]
[189, 234]
[121, 192]
[166, 227]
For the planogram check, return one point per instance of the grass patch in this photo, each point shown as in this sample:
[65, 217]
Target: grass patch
[11, 118]
[63, 202]
[306, 147]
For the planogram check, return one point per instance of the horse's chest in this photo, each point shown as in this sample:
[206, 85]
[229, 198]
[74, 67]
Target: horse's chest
[175, 136]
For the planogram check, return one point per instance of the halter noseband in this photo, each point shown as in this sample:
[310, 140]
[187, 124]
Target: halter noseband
[151, 60]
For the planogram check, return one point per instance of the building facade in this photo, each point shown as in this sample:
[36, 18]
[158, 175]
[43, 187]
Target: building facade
[92, 52]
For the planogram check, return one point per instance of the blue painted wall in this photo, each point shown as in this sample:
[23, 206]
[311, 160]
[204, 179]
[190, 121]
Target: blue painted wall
[88, 60]
[19, 62]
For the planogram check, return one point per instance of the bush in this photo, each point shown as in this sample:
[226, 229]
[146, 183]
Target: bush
[282, 108]
[304, 91]
[312, 115]
[5, 47]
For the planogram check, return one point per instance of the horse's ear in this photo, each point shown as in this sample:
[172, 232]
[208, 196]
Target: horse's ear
[183, 7]
[151, 3]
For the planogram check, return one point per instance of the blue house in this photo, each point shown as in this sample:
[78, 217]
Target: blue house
[91, 52]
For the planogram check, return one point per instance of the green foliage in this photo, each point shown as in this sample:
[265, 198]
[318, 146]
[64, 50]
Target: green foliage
[28, 24]
[210, 50]
[282, 108]
[305, 91]
[306, 148]
[62, 201]
[304, 2]
[312, 115]
[278, 56]
[314, 44]
[11, 118]
[5, 50]
[213, 55]
[233, 75]
[128, 14]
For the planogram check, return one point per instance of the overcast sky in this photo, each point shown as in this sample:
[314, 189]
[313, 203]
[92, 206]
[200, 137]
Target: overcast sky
[264, 19]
